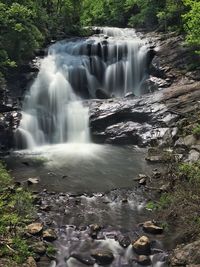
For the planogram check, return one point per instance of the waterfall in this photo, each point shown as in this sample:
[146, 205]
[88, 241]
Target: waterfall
[113, 61]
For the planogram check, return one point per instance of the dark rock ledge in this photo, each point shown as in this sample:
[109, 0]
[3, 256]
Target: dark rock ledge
[147, 120]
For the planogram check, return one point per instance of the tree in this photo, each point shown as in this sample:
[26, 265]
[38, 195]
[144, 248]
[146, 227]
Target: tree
[192, 23]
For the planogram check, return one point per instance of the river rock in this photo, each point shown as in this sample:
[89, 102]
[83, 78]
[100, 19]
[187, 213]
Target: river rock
[31, 262]
[151, 228]
[143, 181]
[94, 229]
[49, 235]
[143, 260]
[124, 241]
[31, 181]
[83, 258]
[35, 228]
[186, 254]
[187, 141]
[193, 156]
[103, 257]
[142, 246]
[38, 248]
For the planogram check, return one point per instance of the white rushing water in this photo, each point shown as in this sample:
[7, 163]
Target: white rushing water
[113, 62]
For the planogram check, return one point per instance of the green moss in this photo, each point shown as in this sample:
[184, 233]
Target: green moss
[190, 171]
[51, 250]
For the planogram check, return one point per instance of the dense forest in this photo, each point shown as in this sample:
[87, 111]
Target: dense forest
[26, 25]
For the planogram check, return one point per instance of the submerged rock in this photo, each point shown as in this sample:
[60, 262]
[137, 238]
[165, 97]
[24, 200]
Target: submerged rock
[142, 246]
[83, 258]
[103, 257]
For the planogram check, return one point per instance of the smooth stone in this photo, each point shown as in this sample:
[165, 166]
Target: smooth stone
[35, 228]
[151, 228]
[103, 257]
[142, 246]
[143, 181]
[49, 235]
[31, 181]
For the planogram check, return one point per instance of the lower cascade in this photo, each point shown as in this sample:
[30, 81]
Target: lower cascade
[112, 63]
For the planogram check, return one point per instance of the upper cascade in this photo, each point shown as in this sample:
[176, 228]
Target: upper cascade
[114, 62]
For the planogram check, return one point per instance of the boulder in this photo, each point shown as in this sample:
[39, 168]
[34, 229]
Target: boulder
[142, 246]
[186, 255]
[35, 228]
[151, 228]
[186, 141]
[103, 257]
[49, 235]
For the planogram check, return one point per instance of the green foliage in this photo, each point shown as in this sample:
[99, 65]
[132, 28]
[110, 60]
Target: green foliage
[196, 130]
[151, 205]
[21, 249]
[51, 250]
[192, 22]
[191, 171]
[164, 201]
[25, 25]
[5, 179]
[15, 209]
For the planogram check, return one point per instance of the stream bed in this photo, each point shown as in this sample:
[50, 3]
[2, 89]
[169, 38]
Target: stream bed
[82, 185]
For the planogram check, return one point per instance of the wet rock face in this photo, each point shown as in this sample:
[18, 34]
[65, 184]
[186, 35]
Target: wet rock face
[129, 121]
[147, 120]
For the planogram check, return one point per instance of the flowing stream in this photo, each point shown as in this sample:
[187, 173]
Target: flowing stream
[91, 183]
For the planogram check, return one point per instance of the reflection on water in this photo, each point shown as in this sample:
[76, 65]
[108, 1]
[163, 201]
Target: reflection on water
[80, 167]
